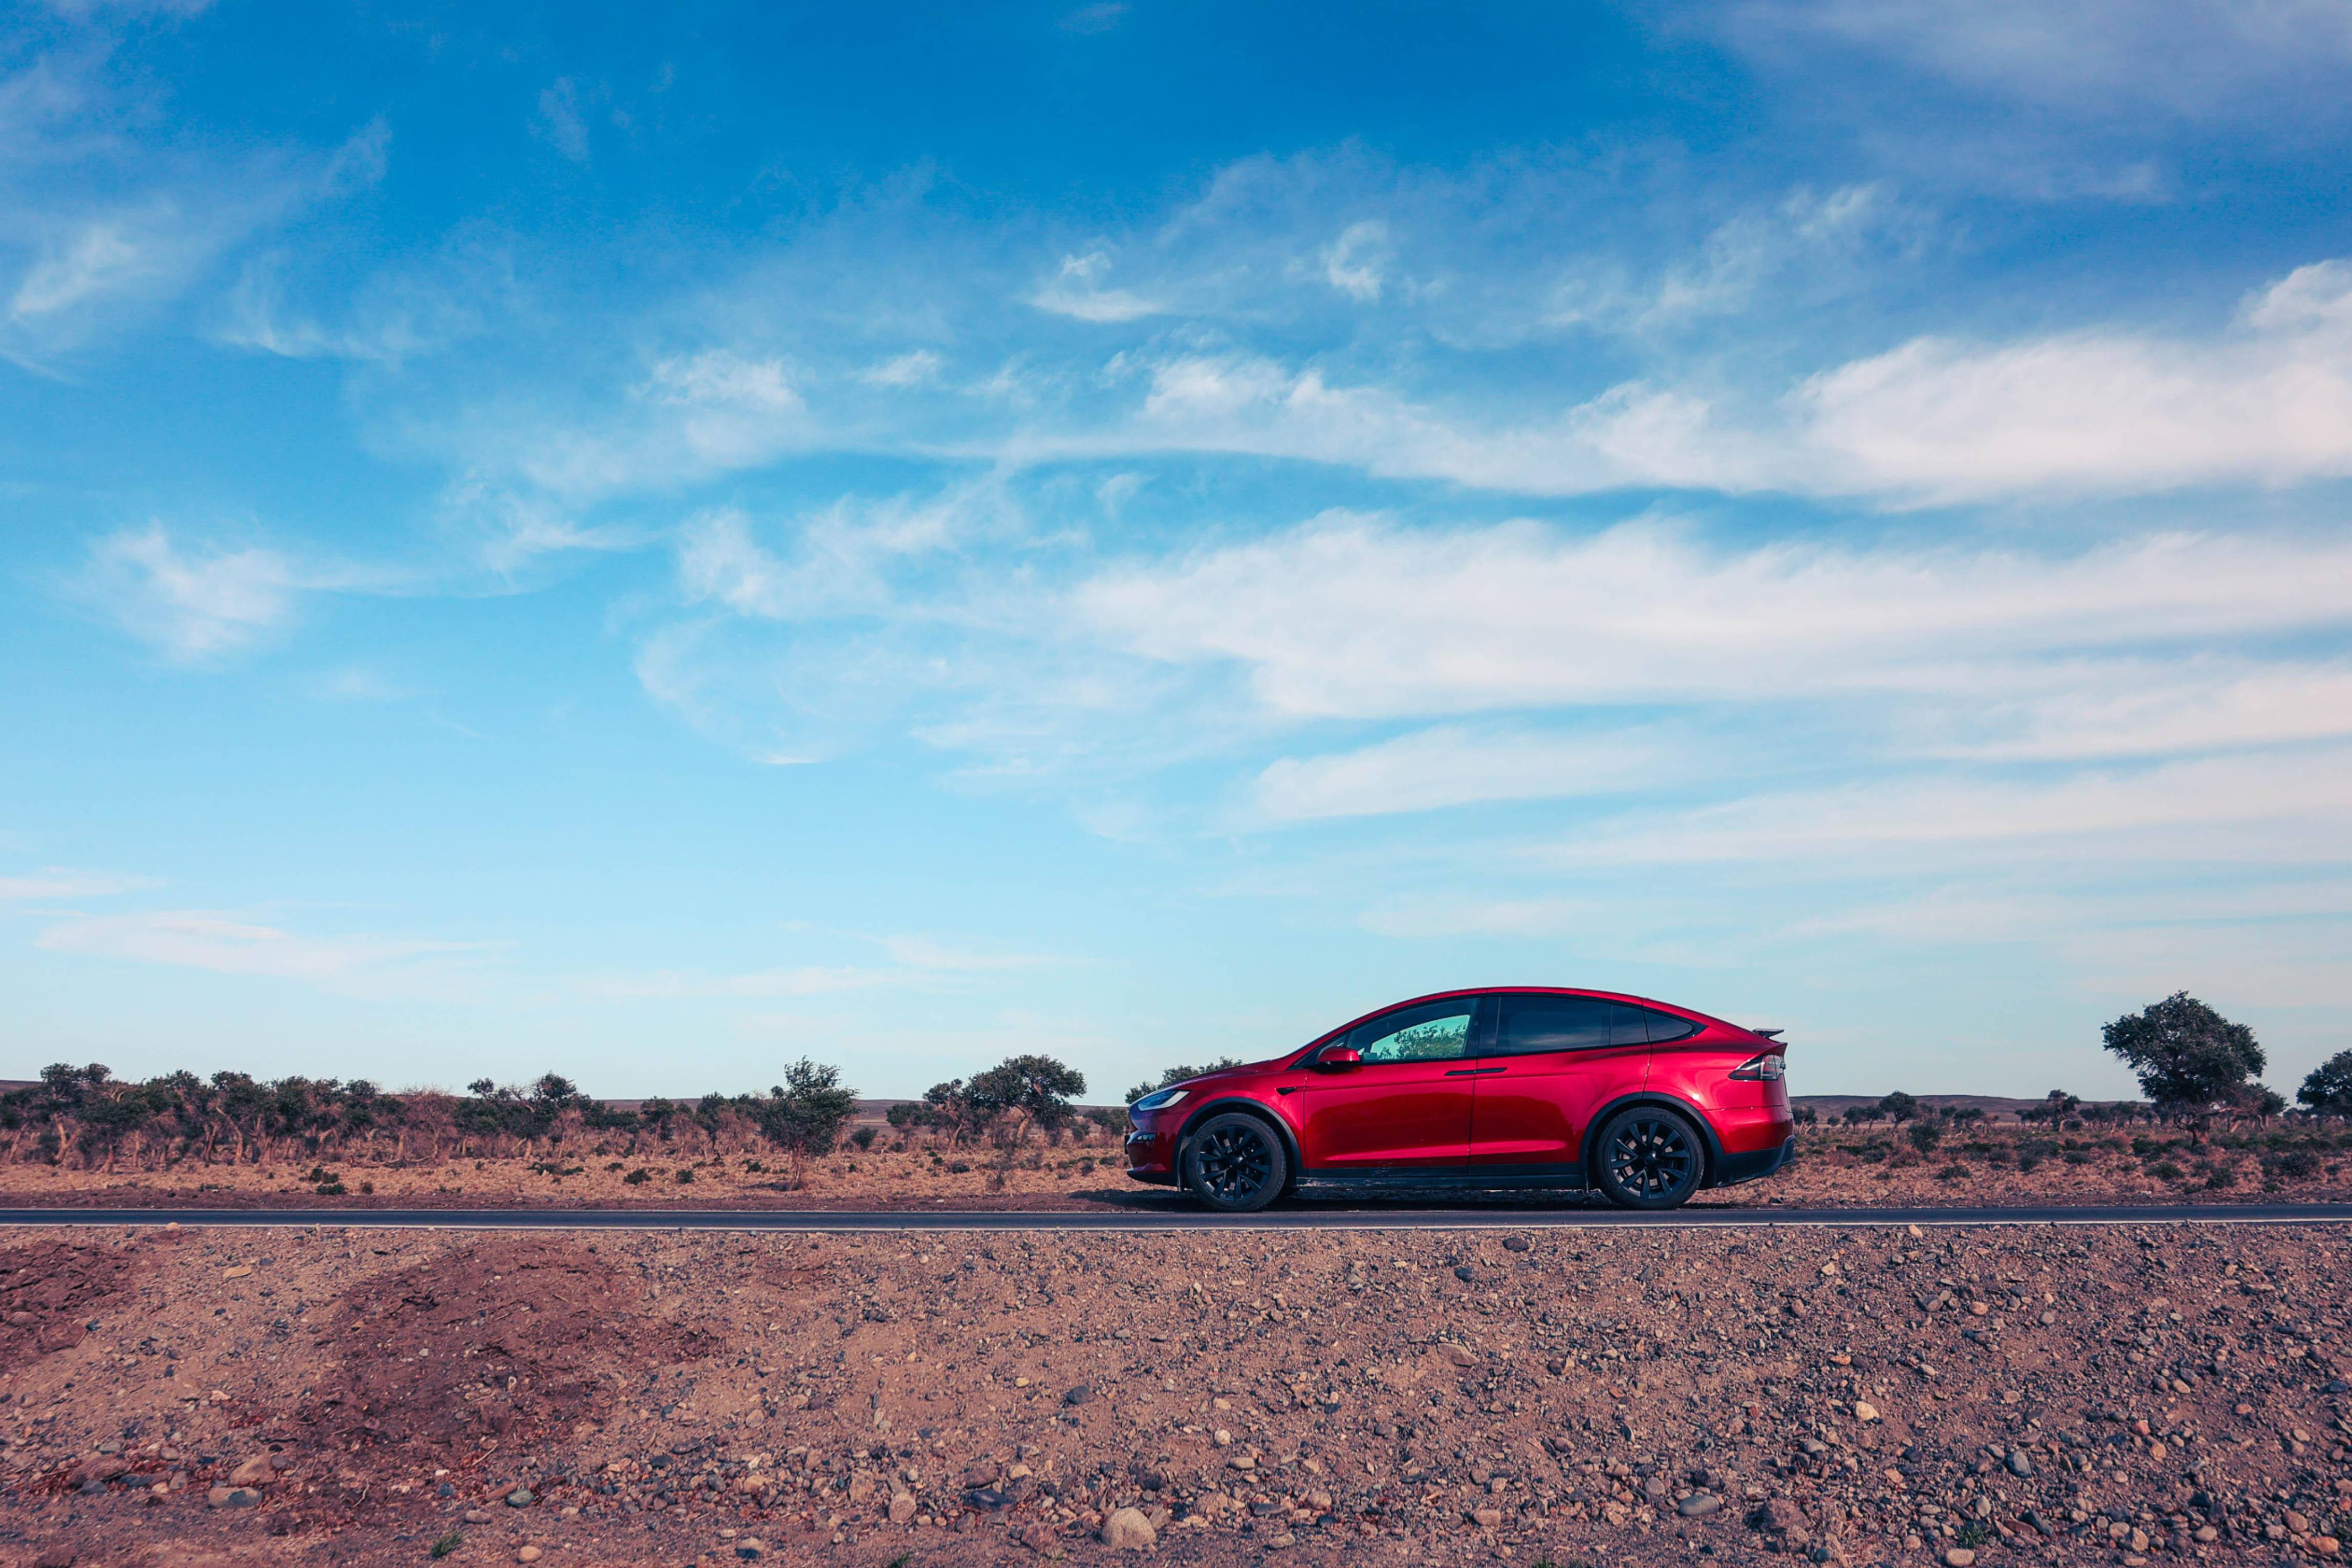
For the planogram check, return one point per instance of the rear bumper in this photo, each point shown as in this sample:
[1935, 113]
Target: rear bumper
[1734, 1168]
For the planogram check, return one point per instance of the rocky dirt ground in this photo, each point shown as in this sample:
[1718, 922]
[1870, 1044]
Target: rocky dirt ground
[1869, 1166]
[1863, 1395]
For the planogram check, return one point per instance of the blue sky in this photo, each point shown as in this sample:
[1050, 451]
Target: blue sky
[651, 541]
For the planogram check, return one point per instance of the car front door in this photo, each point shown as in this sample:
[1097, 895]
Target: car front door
[1552, 1061]
[1405, 1105]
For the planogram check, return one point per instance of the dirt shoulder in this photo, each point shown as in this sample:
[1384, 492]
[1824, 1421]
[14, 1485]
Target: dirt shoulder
[1872, 1393]
[1866, 1168]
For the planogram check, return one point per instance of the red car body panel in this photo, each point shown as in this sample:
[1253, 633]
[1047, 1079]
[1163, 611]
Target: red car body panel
[1487, 1119]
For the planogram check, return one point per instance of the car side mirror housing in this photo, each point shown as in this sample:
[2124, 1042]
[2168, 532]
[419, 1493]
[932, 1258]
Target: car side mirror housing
[1340, 1057]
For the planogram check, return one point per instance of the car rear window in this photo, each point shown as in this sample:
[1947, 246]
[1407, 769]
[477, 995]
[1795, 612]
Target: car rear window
[1665, 1026]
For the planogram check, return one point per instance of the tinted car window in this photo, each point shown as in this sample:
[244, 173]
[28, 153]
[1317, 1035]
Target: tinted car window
[1532, 1024]
[1665, 1026]
[1436, 1031]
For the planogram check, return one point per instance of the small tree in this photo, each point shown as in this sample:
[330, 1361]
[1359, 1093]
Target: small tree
[1899, 1107]
[1925, 1134]
[1022, 1093]
[804, 1114]
[948, 1106]
[2328, 1091]
[2190, 1060]
[1856, 1115]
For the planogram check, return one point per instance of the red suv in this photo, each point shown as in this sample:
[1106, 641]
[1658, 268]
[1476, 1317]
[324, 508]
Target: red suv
[1518, 1088]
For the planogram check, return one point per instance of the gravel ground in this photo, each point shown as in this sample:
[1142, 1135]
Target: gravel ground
[1866, 1395]
[1863, 1168]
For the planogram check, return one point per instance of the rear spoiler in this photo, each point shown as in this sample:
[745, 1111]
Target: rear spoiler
[1768, 1033]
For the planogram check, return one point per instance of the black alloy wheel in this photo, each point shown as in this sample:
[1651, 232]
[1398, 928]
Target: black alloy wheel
[1235, 1163]
[1650, 1158]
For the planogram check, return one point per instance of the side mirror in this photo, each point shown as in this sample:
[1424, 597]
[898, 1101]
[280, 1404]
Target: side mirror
[1340, 1057]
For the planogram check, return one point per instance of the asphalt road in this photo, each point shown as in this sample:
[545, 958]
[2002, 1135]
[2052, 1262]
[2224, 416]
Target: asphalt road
[1354, 1216]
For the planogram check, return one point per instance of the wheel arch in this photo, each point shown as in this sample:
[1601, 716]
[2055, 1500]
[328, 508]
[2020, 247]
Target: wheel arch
[1248, 1107]
[1710, 1146]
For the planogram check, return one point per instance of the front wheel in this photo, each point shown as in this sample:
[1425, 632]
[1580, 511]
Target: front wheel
[1235, 1164]
[1650, 1158]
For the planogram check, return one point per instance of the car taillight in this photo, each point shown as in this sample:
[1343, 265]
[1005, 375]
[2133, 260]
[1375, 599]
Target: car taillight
[1768, 1069]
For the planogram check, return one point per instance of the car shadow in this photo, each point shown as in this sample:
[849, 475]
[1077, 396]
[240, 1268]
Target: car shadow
[1354, 1199]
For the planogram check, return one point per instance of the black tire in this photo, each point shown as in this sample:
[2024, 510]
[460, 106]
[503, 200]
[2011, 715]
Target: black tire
[1650, 1158]
[1235, 1164]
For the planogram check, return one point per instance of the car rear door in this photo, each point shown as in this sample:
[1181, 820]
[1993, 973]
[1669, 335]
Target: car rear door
[1551, 1061]
[1406, 1106]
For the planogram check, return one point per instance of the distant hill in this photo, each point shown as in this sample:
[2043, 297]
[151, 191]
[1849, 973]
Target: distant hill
[1830, 1107]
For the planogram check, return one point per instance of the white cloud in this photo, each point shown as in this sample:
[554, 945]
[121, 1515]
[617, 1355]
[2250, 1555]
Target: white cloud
[2143, 708]
[93, 253]
[674, 984]
[1348, 617]
[2198, 58]
[2222, 810]
[224, 944]
[193, 606]
[1353, 264]
[842, 564]
[929, 953]
[1077, 292]
[1442, 914]
[918, 367]
[2105, 411]
[558, 121]
[1453, 765]
[2267, 402]
[57, 882]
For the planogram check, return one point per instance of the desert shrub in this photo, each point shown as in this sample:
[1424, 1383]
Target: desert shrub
[331, 1189]
[2165, 1170]
[2032, 1152]
[2222, 1176]
[1955, 1171]
[863, 1138]
[958, 1168]
[2290, 1165]
[1925, 1135]
[638, 1177]
[685, 1175]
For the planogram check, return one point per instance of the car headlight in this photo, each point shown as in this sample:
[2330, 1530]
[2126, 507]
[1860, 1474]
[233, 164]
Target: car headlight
[1161, 1100]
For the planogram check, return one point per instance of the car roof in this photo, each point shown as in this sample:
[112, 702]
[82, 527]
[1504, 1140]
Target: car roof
[1626, 996]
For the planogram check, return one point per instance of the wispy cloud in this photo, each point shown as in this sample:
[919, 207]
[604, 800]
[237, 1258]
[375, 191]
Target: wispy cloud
[674, 984]
[60, 883]
[202, 604]
[226, 943]
[1346, 616]
[2221, 810]
[1453, 764]
[2201, 58]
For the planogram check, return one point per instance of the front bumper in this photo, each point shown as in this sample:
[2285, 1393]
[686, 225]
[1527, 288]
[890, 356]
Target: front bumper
[1152, 1155]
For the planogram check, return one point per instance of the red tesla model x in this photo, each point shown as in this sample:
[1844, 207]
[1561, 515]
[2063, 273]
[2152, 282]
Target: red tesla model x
[1511, 1087]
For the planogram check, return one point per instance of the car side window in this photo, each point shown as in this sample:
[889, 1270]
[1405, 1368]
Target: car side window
[1533, 1025]
[1664, 1027]
[1437, 1031]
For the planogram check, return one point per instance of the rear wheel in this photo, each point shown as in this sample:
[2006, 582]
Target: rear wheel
[1650, 1158]
[1235, 1164]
